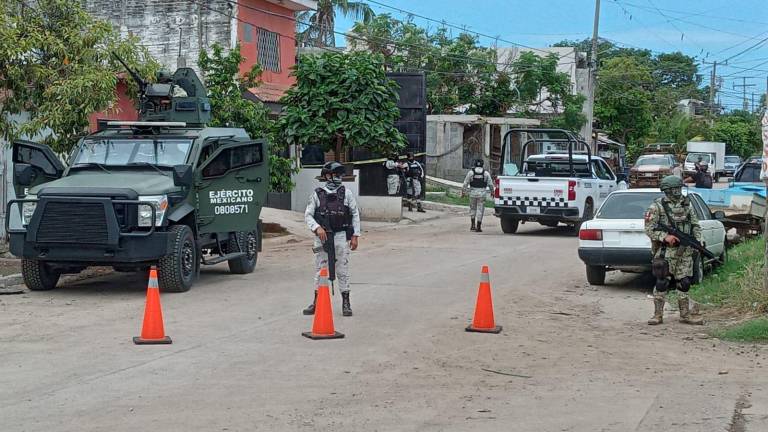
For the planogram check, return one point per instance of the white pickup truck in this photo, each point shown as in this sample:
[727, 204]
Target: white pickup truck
[552, 188]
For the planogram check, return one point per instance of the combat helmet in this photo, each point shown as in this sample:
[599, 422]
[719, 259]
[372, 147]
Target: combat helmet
[671, 182]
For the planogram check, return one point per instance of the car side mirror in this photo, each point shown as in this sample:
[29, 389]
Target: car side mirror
[719, 215]
[182, 175]
[23, 174]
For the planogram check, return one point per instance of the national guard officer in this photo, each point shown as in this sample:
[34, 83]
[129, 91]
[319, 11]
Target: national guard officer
[672, 262]
[393, 168]
[332, 213]
[479, 181]
[414, 176]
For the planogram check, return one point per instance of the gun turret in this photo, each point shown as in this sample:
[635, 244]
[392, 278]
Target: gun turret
[180, 97]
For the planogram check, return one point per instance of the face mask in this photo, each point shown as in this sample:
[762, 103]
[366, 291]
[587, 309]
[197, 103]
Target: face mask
[674, 194]
[333, 182]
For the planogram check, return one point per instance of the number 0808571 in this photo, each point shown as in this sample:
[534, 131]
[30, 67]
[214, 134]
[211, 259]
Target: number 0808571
[230, 209]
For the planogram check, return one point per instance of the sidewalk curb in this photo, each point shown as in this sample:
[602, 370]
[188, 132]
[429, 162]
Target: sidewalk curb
[10, 284]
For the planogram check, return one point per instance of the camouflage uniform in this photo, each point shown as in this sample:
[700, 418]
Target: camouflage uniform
[672, 265]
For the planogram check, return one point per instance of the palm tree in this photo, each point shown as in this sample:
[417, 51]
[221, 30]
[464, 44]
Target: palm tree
[318, 26]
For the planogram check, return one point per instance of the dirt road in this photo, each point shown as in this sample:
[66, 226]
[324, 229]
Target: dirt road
[570, 358]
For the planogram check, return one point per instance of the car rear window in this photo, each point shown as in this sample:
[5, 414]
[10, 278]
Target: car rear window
[630, 205]
[732, 159]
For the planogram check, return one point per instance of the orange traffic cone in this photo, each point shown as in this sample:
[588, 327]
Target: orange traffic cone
[152, 330]
[483, 321]
[322, 327]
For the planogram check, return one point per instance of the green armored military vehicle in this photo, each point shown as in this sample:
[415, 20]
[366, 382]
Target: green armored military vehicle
[165, 190]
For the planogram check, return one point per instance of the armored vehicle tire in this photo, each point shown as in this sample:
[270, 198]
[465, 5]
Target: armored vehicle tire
[509, 225]
[596, 275]
[38, 276]
[249, 243]
[178, 270]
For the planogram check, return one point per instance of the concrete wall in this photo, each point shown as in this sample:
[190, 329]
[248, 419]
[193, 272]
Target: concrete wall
[157, 24]
[371, 207]
[445, 147]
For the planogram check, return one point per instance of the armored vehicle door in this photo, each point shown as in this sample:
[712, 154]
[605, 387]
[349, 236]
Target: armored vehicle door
[232, 185]
[33, 164]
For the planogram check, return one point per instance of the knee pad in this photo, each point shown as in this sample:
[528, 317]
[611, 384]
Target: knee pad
[662, 285]
[684, 284]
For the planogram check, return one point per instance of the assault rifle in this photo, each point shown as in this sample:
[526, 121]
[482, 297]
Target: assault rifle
[329, 246]
[686, 240]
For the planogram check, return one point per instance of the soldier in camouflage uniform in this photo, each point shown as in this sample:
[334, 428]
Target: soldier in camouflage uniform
[672, 264]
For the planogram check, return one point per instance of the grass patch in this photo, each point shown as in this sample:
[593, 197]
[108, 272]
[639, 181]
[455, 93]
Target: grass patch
[739, 283]
[450, 198]
[736, 289]
[755, 330]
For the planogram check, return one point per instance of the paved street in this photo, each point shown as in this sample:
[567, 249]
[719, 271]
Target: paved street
[570, 358]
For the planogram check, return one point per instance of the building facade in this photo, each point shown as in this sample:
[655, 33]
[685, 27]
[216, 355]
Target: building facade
[175, 31]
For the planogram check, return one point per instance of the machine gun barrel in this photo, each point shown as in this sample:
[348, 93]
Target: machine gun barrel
[140, 82]
[687, 240]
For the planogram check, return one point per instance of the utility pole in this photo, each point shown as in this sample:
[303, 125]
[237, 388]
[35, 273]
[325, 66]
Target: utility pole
[592, 81]
[712, 87]
[753, 101]
[744, 86]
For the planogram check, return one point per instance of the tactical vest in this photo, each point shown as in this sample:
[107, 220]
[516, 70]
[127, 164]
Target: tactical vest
[414, 169]
[332, 213]
[680, 215]
[703, 180]
[478, 178]
[389, 171]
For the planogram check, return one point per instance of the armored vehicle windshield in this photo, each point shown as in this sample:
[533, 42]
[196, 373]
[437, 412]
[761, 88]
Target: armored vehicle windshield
[129, 151]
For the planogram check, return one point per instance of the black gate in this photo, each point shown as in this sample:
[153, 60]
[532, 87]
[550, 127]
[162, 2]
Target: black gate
[412, 123]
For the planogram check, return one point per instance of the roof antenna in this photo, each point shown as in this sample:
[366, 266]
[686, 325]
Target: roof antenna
[181, 62]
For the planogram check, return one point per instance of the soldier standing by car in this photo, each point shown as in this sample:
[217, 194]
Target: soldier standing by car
[479, 181]
[332, 213]
[672, 263]
[414, 176]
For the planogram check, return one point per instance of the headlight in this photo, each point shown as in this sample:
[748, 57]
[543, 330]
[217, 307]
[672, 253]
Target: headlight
[160, 203]
[27, 210]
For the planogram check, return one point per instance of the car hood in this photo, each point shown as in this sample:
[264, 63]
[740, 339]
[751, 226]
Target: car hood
[143, 182]
[651, 168]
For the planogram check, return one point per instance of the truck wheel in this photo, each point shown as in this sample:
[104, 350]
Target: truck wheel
[38, 276]
[596, 275]
[588, 215]
[177, 271]
[249, 243]
[509, 225]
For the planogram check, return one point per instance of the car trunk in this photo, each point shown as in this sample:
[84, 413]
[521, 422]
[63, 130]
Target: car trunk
[624, 233]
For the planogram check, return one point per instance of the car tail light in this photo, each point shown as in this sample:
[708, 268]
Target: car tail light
[496, 192]
[571, 190]
[591, 234]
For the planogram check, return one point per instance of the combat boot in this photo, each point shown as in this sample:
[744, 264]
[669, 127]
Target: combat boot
[419, 208]
[310, 310]
[479, 227]
[410, 206]
[658, 310]
[346, 309]
[685, 313]
[472, 227]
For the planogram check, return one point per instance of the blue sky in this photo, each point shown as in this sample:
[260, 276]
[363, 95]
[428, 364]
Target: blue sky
[707, 29]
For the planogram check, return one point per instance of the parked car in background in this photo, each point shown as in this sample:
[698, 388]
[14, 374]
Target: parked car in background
[615, 239]
[650, 169]
[749, 171]
[732, 163]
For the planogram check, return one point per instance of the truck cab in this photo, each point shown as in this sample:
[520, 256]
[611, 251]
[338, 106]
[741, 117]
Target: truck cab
[134, 194]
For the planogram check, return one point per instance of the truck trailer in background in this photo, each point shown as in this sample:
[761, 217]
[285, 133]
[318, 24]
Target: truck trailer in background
[709, 152]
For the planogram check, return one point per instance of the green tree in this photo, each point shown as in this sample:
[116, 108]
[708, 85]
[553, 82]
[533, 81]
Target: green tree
[539, 83]
[225, 87]
[56, 65]
[623, 102]
[740, 131]
[342, 101]
[317, 28]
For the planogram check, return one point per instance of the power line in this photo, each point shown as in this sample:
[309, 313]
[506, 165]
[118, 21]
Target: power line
[626, 12]
[701, 14]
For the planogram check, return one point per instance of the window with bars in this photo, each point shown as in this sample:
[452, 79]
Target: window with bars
[269, 50]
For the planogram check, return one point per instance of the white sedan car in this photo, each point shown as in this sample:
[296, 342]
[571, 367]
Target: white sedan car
[615, 239]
